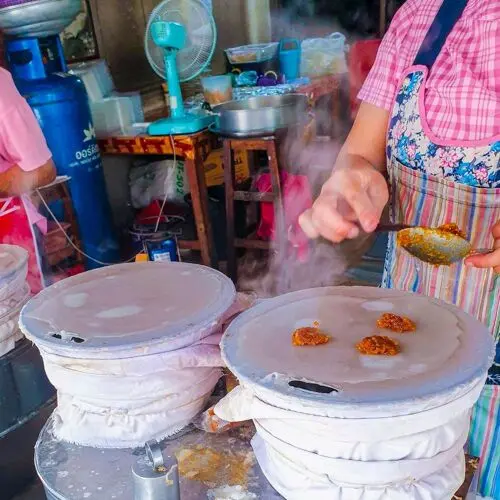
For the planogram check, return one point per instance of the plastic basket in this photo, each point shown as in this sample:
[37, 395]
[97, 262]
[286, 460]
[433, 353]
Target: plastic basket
[252, 53]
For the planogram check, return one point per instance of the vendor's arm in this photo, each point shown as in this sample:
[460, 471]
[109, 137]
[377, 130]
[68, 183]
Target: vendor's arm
[25, 160]
[356, 193]
[16, 181]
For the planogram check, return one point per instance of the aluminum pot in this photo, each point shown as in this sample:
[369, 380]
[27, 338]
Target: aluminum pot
[260, 115]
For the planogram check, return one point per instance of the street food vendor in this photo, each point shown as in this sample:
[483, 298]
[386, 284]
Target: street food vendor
[430, 122]
[25, 164]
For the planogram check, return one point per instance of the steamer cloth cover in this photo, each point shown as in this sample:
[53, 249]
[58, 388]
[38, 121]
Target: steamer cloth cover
[132, 349]
[390, 428]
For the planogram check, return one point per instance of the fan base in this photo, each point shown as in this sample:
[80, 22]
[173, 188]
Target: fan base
[187, 124]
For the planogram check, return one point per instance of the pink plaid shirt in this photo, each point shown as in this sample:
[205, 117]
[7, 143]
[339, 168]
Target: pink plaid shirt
[462, 93]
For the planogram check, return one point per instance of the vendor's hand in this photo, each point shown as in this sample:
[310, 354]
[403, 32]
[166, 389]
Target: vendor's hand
[354, 197]
[491, 259]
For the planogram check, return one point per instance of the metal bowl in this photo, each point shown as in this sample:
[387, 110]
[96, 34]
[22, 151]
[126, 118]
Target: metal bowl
[38, 18]
[261, 113]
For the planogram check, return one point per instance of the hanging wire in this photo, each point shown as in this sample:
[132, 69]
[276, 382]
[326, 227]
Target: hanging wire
[101, 263]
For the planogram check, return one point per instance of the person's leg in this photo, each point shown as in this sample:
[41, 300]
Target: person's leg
[484, 441]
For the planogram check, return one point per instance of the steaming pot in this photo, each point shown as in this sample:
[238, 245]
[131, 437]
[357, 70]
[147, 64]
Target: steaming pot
[260, 115]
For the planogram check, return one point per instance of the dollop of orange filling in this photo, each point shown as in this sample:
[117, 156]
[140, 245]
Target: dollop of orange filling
[453, 229]
[308, 335]
[378, 345]
[395, 323]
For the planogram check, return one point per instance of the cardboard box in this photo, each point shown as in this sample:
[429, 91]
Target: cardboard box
[214, 170]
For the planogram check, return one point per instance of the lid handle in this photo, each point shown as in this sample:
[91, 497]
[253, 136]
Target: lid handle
[312, 387]
[160, 482]
[153, 451]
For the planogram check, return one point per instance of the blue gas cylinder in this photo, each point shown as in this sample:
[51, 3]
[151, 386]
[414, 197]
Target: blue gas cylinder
[60, 103]
[61, 106]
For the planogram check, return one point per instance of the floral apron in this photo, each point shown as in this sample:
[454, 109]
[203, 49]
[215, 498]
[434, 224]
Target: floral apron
[434, 182]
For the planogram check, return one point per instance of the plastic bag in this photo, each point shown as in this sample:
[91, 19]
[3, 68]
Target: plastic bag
[157, 180]
[323, 56]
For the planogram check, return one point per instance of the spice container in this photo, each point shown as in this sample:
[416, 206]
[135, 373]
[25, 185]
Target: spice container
[217, 89]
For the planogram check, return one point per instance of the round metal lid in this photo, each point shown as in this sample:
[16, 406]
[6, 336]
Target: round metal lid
[450, 349]
[154, 306]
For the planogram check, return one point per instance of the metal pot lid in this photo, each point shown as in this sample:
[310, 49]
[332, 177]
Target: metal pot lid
[112, 311]
[449, 350]
[12, 261]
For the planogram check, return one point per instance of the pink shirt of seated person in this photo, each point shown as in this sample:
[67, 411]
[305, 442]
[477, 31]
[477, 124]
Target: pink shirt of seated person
[21, 141]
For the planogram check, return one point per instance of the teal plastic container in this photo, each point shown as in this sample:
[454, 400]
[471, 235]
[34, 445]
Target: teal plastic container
[289, 56]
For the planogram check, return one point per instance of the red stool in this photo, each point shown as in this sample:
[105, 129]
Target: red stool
[362, 56]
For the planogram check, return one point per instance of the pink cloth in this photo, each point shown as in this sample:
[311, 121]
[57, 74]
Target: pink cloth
[21, 140]
[297, 197]
[462, 93]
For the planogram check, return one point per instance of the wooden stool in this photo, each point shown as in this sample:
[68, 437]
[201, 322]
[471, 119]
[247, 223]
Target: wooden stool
[271, 146]
[56, 246]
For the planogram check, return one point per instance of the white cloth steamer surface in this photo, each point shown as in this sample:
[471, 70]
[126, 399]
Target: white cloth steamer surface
[132, 349]
[333, 424]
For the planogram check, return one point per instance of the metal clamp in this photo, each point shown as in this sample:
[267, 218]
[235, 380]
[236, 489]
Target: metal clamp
[155, 477]
[154, 454]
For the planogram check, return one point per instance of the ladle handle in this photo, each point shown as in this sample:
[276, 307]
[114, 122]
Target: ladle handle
[480, 251]
[390, 228]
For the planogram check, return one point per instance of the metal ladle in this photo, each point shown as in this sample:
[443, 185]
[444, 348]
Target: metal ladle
[436, 245]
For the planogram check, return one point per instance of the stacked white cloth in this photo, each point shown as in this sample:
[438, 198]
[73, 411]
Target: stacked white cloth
[418, 456]
[122, 402]
[14, 292]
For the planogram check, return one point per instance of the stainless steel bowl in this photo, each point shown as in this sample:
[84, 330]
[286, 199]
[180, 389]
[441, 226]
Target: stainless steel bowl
[39, 18]
[260, 115]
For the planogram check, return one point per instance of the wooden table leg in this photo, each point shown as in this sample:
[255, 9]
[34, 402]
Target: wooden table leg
[196, 177]
[229, 180]
[281, 237]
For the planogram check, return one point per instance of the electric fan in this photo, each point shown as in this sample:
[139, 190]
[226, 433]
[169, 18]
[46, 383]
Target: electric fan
[180, 42]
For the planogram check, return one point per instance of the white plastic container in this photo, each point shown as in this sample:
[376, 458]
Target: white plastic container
[132, 349]
[116, 115]
[333, 424]
[112, 116]
[96, 77]
[136, 101]
[217, 89]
